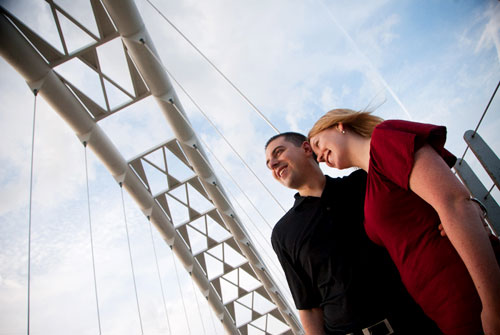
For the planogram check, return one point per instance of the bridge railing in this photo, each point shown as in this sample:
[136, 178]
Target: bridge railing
[491, 164]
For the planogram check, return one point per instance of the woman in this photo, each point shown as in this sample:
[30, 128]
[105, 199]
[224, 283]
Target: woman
[410, 191]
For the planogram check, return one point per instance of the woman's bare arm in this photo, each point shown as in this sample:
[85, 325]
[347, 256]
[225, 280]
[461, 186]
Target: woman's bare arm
[433, 181]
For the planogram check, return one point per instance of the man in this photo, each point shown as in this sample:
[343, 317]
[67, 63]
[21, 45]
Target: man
[340, 281]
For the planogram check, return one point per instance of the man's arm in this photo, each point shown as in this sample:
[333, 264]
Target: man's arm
[312, 321]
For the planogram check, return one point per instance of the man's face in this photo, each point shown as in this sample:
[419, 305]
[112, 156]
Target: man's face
[287, 161]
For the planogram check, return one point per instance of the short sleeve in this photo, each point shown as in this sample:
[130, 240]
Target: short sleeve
[394, 143]
[304, 294]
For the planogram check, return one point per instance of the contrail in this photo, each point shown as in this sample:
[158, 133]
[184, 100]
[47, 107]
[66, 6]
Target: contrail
[367, 61]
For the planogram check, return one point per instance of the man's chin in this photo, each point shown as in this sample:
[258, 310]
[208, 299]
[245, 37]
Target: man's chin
[285, 182]
[289, 184]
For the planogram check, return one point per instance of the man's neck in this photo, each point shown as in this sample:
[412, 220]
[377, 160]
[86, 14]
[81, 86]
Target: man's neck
[314, 186]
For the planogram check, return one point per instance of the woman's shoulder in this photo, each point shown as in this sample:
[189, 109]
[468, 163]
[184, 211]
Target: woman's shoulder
[408, 126]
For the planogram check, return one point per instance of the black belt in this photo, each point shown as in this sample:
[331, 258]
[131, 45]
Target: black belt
[380, 328]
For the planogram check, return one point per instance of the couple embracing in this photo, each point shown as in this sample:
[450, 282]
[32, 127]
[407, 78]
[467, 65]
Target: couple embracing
[363, 254]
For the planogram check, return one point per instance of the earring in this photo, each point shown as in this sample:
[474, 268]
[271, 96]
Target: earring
[343, 131]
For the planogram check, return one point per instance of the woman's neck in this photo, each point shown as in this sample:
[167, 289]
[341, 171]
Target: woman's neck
[360, 153]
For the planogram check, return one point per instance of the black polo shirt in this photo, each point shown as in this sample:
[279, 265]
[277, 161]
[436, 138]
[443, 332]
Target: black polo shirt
[330, 263]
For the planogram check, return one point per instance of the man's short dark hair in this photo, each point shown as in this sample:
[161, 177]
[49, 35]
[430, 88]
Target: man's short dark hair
[295, 138]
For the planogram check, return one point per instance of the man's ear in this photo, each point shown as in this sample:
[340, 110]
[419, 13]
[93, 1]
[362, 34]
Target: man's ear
[309, 151]
[307, 147]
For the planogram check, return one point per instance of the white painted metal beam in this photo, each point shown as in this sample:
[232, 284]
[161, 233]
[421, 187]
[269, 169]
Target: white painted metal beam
[38, 75]
[141, 49]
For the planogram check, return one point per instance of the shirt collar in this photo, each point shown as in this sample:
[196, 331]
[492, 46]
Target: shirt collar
[299, 200]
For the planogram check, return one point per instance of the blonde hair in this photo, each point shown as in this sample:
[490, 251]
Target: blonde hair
[361, 122]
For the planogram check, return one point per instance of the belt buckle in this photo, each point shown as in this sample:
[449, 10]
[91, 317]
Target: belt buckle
[375, 328]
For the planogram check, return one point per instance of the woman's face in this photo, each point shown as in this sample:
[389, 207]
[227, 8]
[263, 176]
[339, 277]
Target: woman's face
[330, 147]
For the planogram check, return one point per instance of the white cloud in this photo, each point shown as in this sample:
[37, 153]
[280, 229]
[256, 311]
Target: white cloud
[55, 150]
[490, 37]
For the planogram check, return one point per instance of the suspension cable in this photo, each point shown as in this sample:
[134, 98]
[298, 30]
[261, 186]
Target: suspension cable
[199, 308]
[159, 276]
[242, 208]
[256, 240]
[91, 238]
[248, 233]
[180, 290]
[489, 191]
[482, 116]
[216, 68]
[244, 193]
[35, 92]
[224, 138]
[211, 316]
[218, 161]
[231, 177]
[212, 124]
[263, 250]
[131, 261]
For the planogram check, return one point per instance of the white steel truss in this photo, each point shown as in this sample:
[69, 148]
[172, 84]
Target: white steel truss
[214, 235]
[204, 233]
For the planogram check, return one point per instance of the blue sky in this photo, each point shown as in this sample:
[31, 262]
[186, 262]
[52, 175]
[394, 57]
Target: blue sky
[428, 61]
